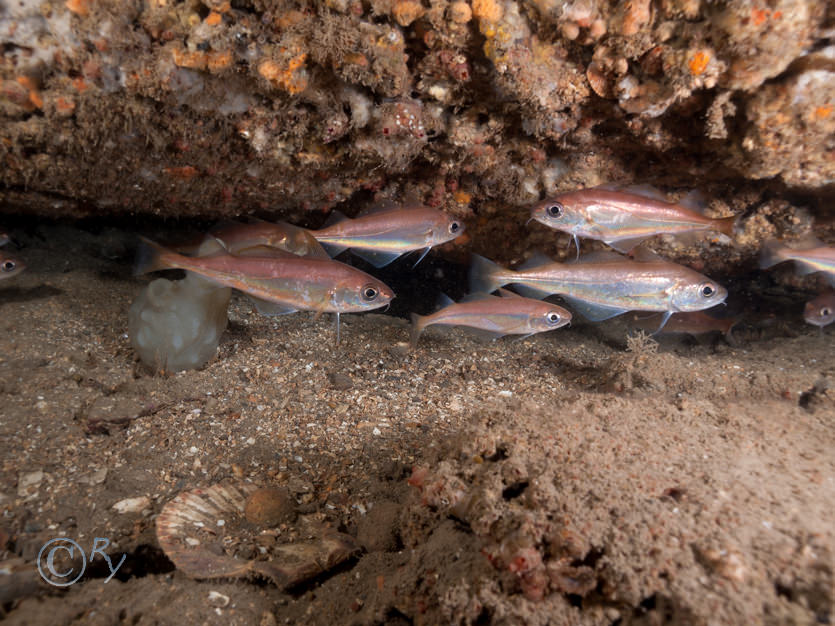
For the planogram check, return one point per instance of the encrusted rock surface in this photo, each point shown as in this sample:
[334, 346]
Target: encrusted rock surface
[282, 108]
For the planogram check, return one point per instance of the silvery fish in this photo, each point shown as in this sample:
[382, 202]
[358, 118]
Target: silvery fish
[238, 236]
[692, 323]
[382, 235]
[279, 283]
[821, 310]
[10, 266]
[507, 315]
[811, 255]
[605, 284]
[624, 217]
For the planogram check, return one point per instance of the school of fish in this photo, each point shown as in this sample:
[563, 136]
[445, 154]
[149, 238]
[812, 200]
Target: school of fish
[283, 268]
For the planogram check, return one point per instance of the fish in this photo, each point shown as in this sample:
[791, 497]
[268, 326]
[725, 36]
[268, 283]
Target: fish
[238, 236]
[4, 238]
[692, 323]
[386, 233]
[509, 314]
[821, 310]
[811, 255]
[278, 283]
[605, 284]
[10, 266]
[624, 217]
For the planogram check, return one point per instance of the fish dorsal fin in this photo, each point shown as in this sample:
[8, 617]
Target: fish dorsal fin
[303, 240]
[537, 260]
[477, 297]
[806, 242]
[314, 248]
[266, 251]
[210, 247]
[694, 200]
[378, 207]
[224, 224]
[443, 302]
[644, 190]
[335, 217]
[592, 311]
[601, 256]
[645, 255]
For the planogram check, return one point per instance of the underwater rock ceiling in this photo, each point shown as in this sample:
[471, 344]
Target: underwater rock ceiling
[480, 108]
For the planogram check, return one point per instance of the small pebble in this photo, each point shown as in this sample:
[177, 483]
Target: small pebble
[217, 599]
[270, 506]
[132, 505]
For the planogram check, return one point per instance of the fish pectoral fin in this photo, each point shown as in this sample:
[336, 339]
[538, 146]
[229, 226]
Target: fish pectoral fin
[420, 258]
[626, 245]
[667, 316]
[377, 258]
[592, 311]
[266, 307]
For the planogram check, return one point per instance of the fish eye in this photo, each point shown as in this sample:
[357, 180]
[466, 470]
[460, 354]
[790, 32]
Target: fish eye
[554, 210]
[8, 266]
[454, 227]
[553, 317]
[826, 311]
[707, 290]
[369, 293]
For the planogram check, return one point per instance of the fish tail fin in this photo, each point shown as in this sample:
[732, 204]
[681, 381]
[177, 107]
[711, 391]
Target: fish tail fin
[418, 324]
[771, 254]
[727, 225]
[152, 257]
[483, 275]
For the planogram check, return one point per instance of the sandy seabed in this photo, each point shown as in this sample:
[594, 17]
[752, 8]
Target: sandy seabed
[569, 478]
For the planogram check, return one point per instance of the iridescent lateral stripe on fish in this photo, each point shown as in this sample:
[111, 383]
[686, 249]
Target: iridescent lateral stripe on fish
[507, 315]
[383, 235]
[624, 217]
[813, 256]
[604, 285]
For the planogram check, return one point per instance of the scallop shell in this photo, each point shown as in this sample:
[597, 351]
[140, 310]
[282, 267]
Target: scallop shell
[197, 528]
